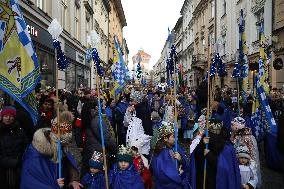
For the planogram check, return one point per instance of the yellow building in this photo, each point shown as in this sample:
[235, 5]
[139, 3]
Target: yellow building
[116, 23]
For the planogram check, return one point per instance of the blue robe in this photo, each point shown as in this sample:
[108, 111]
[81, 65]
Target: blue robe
[109, 115]
[165, 173]
[127, 179]
[228, 172]
[94, 181]
[39, 171]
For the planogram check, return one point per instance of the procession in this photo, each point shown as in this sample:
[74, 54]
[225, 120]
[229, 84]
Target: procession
[71, 119]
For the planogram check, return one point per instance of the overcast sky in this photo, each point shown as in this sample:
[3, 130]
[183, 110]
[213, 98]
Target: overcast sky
[147, 25]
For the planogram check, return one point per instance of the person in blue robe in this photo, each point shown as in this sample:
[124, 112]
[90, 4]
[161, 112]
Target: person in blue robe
[124, 175]
[167, 174]
[222, 168]
[95, 178]
[40, 169]
[109, 111]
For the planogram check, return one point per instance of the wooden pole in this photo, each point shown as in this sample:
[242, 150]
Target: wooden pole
[101, 129]
[238, 97]
[208, 113]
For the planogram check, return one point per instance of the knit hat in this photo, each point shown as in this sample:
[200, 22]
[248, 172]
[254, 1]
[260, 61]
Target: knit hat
[137, 96]
[155, 116]
[8, 110]
[237, 123]
[242, 151]
[124, 154]
[96, 161]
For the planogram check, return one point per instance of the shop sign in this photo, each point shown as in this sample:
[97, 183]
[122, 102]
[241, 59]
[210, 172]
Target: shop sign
[32, 30]
[80, 58]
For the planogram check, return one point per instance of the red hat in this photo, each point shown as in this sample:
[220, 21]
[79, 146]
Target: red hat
[8, 110]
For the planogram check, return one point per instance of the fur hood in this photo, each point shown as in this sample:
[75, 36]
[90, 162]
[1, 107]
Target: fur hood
[42, 143]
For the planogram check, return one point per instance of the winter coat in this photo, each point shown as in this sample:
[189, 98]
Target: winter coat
[94, 142]
[13, 142]
[143, 113]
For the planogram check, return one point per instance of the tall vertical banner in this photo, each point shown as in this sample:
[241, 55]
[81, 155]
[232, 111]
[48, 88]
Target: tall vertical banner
[121, 72]
[19, 68]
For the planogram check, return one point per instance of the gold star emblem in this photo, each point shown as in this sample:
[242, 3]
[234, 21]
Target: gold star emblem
[7, 15]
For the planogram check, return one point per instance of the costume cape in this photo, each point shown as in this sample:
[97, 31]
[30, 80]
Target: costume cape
[126, 179]
[39, 171]
[165, 173]
[228, 172]
[94, 181]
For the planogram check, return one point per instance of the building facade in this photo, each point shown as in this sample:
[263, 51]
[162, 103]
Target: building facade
[78, 18]
[277, 79]
[255, 13]
[143, 58]
[188, 43]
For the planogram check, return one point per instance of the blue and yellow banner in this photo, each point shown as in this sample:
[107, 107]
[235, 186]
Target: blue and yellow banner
[19, 68]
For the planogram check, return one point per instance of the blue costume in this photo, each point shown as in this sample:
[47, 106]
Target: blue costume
[125, 179]
[109, 114]
[39, 171]
[165, 173]
[94, 181]
[228, 173]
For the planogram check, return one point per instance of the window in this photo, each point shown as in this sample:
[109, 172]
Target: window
[203, 19]
[211, 38]
[212, 8]
[77, 23]
[260, 23]
[40, 4]
[224, 7]
[64, 14]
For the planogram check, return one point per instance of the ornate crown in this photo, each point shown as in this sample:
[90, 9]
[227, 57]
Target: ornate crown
[165, 130]
[97, 156]
[215, 127]
[64, 128]
[123, 150]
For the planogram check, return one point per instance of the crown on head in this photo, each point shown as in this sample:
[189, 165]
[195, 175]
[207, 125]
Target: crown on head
[64, 128]
[123, 150]
[215, 127]
[165, 130]
[97, 156]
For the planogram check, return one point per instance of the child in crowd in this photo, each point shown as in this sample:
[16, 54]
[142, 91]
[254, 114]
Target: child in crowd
[248, 174]
[142, 166]
[95, 179]
[165, 172]
[124, 174]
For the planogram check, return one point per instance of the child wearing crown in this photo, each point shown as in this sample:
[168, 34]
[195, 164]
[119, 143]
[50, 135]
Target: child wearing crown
[124, 174]
[95, 178]
[165, 172]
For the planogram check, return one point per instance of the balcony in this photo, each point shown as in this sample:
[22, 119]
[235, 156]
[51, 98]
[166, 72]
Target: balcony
[199, 59]
[89, 6]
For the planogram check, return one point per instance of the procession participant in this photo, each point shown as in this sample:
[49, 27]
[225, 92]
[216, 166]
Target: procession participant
[248, 174]
[140, 106]
[222, 171]
[95, 178]
[110, 112]
[163, 165]
[243, 135]
[91, 123]
[13, 142]
[124, 174]
[40, 162]
[120, 110]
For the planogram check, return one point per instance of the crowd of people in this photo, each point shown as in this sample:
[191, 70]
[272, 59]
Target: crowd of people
[143, 149]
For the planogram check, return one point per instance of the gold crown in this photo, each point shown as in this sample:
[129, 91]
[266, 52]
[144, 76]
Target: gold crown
[123, 150]
[165, 130]
[97, 156]
[64, 128]
[215, 127]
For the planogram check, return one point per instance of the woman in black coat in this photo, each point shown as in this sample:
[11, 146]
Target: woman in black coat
[91, 124]
[13, 142]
